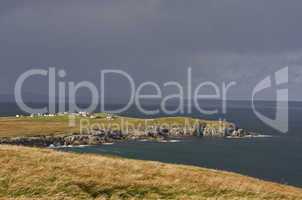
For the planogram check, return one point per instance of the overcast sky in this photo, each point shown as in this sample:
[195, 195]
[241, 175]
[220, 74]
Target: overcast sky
[156, 40]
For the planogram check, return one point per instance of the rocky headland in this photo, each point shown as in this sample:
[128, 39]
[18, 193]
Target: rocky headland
[101, 136]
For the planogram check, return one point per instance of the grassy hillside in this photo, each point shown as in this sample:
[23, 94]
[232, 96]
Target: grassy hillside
[37, 126]
[28, 173]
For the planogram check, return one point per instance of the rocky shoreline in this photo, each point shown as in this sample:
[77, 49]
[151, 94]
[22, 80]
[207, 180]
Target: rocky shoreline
[97, 137]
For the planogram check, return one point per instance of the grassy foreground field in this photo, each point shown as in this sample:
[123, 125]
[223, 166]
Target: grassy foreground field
[32, 173]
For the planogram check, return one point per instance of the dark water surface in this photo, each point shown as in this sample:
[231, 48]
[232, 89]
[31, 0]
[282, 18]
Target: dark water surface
[276, 159]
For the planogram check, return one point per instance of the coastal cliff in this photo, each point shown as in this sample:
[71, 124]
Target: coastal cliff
[158, 129]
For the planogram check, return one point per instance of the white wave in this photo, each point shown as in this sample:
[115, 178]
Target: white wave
[108, 143]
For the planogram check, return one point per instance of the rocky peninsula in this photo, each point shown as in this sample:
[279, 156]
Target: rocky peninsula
[92, 133]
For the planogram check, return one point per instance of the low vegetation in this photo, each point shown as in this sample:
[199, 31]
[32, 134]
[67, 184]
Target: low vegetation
[38, 126]
[32, 173]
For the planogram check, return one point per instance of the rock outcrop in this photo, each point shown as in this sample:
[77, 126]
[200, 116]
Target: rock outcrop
[96, 137]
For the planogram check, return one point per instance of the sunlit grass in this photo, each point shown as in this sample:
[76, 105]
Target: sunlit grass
[48, 174]
[37, 126]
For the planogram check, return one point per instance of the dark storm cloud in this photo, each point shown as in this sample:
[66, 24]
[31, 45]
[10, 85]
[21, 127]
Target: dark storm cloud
[222, 40]
[232, 25]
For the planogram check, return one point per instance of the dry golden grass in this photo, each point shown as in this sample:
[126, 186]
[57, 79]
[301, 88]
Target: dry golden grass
[32, 173]
[13, 127]
[26, 126]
